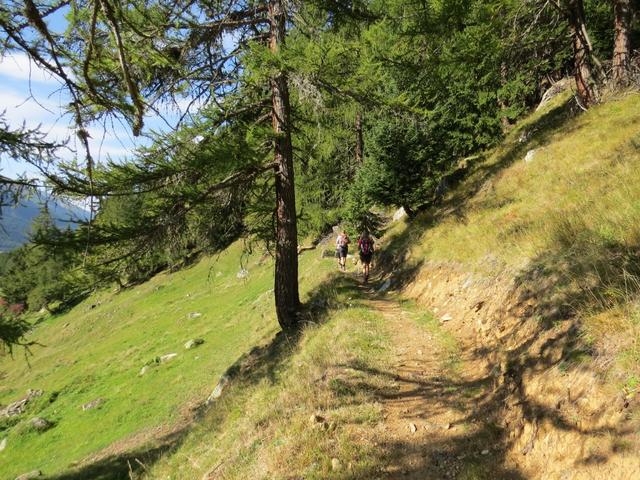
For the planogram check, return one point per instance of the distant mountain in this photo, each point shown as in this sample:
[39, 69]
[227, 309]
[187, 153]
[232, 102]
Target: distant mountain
[15, 222]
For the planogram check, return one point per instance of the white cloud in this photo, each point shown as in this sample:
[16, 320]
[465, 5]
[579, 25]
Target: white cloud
[20, 107]
[18, 66]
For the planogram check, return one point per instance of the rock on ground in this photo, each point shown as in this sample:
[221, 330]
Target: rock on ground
[217, 391]
[167, 357]
[40, 424]
[193, 343]
[92, 404]
[399, 214]
[385, 286]
[17, 407]
[29, 475]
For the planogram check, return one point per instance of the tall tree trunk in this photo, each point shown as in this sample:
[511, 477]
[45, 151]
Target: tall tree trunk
[502, 105]
[359, 140]
[286, 275]
[622, 43]
[585, 84]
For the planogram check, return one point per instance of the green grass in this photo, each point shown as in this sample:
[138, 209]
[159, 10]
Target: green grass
[98, 349]
[584, 176]
[261, 428]
[565, 224]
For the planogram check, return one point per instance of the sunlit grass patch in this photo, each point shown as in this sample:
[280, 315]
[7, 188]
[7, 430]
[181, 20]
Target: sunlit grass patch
[317, 404]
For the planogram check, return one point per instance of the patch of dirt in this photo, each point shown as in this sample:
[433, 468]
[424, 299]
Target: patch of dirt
[431, 429]
[519, 406]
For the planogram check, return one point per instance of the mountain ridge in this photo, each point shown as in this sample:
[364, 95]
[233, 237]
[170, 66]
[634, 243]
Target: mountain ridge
[15, 221]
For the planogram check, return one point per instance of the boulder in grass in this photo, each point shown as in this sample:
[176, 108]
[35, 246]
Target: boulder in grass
[167, 357]
[40, 424]
[193, 343]
[92, 404]
[18, 407]
[242, 274]
[399, 214]
[30, 475]
[217, 391]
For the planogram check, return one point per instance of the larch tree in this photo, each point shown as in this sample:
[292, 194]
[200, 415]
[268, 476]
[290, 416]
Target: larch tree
[126, 58]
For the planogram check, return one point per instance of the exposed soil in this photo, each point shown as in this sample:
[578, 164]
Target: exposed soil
[431, 429]
[513, 405]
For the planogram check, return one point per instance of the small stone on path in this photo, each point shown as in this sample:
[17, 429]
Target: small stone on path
[335, 464]
[413, 428]
[446, 317]
[385, 286]
[484, 452]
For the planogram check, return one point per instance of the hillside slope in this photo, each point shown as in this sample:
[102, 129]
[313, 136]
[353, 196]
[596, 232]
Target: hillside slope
[528, 366]
[96, 353]
[499, 340]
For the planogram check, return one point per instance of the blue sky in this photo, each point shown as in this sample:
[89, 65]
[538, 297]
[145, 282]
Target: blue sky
[32, 97]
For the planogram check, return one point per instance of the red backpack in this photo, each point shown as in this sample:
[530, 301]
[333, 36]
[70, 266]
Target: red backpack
[366, 246]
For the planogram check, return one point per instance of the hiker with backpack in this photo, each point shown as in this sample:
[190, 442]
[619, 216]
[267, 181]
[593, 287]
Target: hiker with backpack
[365, 247]
[342, 249]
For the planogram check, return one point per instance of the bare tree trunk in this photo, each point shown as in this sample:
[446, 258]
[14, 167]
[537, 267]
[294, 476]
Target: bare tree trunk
[286, 274]
[622, 43]
[585, 84]
[502, 105]
[359, 140]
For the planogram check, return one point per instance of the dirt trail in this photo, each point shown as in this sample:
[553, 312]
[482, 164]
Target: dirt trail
[432, 428]
[483, 393]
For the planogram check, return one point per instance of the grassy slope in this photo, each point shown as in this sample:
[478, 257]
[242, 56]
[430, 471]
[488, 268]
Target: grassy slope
[573, 211]
[91, 353]
[262, 427]
[568, 219]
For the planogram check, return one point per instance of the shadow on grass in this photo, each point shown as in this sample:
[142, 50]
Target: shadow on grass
[486, 406]
[126, 466]
[260, 363]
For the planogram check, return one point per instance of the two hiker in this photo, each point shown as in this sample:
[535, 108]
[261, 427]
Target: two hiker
[365, 248]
